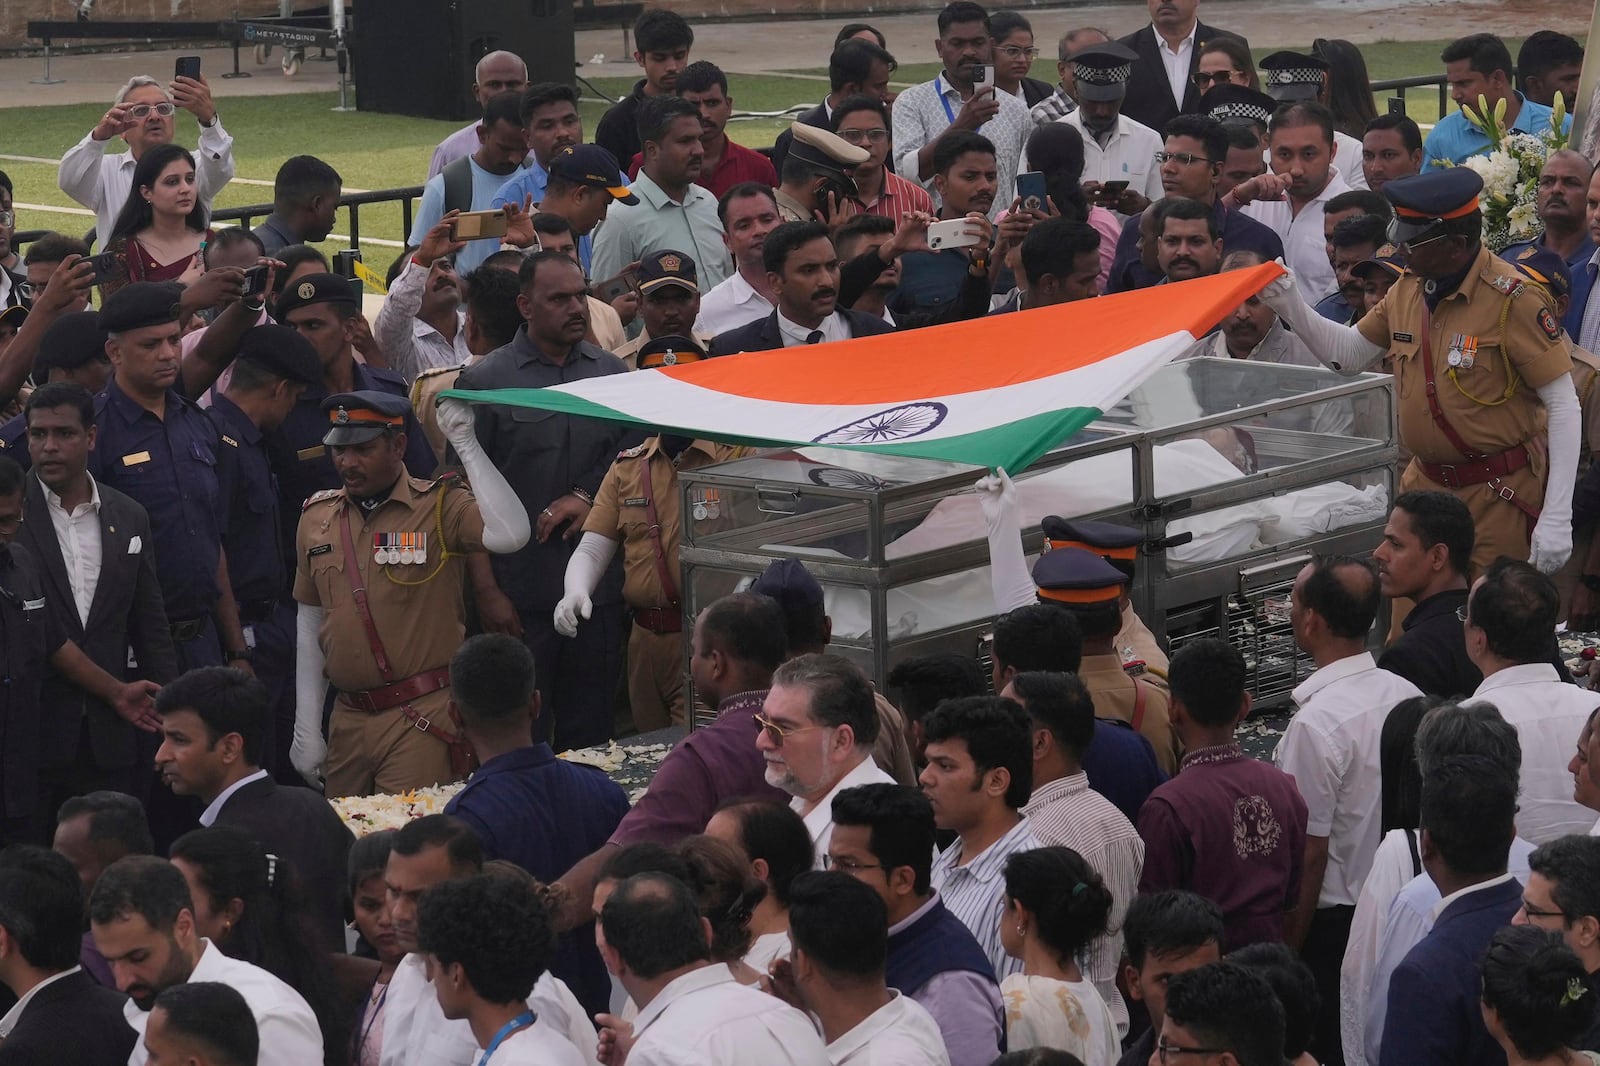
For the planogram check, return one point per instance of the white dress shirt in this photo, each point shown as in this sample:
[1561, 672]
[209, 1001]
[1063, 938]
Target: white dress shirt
[289, 1032]
[78, 535]
[1068, 813]
[14, 1015]
[1305, 246]
[767, 949]
[706, 1018]
[974, 891]
[102, 182]
[1548, 715]
[1129, 155]
[819, 822]
[410, 343]
[1330, 748]
[1176, 61]
[208, 817]
[540, 1044]
[554, 1002]
[833, 328]
[1347, 157]
[415, 1030]
[732, 303]
[899, 1033]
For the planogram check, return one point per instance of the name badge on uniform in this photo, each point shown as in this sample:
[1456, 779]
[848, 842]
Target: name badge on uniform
[33, 605]
[307, 454]
[1404, 338]
[637, 501]
[135, 458]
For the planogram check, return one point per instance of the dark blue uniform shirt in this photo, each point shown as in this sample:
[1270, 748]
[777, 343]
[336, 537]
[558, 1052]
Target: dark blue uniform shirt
[28, 637]
[258, 566]
[1121, 765]
[14, 440]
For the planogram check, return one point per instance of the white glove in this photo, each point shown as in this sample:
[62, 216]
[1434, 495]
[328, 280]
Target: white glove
[573, 607]
[1341, 347]
[1009, 580]
[1551, 544]
[309, 751]
[456, 422]
[997, 495]
[307, 754]
[1281, 290]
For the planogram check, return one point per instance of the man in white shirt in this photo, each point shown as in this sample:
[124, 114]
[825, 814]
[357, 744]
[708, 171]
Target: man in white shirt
[422, 324]
[1331, 750]
[143, 923]
[497, 72]
[749, 212]
[142, 115]
[691, 1011]
[488, 939]
[840, 930]
[818, 726]
[979, 776]
[1115, 147]
[1511, 612]
[1289, 77]
[1290, 199]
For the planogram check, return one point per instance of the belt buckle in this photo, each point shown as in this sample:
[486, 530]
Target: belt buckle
[422, 724]
[1505, 492]
[1447, 476]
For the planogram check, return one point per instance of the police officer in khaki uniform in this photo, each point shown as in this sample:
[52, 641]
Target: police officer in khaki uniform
[817, 174]
[379, 582]
[638, 507]
[1119, 546]
[1482, 371]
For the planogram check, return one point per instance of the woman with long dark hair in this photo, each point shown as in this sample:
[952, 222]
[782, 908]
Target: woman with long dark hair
[250, 905]
[161, 230]
[1349, 93]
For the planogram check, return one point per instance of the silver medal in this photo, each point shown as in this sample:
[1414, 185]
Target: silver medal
[407, 555]
[421, 556]
[713, 510]
[380, 556]
[700, 512]
[1454, 359]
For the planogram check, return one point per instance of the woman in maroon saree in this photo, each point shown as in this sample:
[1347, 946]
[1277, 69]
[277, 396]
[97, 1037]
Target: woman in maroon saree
[161, 229]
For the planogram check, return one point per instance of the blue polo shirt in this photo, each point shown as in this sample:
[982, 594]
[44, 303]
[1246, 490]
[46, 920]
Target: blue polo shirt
[545, 814]
[1455, 138]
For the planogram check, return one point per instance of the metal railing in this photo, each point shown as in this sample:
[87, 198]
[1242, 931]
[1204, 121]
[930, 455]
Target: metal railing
[1422, 81]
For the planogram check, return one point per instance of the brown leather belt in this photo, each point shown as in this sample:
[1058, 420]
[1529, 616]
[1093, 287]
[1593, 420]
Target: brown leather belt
[1475, 471]
[659, 619]
[385, 697]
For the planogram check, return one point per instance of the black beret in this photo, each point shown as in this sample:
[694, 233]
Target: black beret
[317, 289]
[72, 341]
[282, 351]
[141, 304]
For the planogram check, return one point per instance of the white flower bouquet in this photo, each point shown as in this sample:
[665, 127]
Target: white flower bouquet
[1510, 173]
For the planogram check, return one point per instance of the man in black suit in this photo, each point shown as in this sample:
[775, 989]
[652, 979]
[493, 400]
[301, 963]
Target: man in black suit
[857, 67]
[97, 556]
[61, 1016]
[214, 727]
[1162, 83]
[803, 270]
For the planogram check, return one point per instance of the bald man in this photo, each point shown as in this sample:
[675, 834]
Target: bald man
[497, 72]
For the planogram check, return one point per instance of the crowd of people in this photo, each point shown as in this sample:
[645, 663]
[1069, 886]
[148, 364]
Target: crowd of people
[249, 563]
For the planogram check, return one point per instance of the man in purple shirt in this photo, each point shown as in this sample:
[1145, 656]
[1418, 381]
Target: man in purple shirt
[738, 642]
[1228, 827]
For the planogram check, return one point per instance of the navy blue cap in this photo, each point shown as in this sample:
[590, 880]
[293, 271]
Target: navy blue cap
[790, 583]
[316, 289]
[669, 351]
[357, 417]
[1074, 576]
[1292, 75]
[72, 341]
[141, 304]
[1423, 201]
[666, 267]
[1105, 539]
[283, 351]
[1547, 268]
[594, 166]
[1237, 103]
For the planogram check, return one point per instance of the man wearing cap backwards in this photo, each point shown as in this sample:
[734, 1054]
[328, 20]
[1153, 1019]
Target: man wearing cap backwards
[1476, 66]
[1291, 77]
[1476, 353]
[817, 175]
[1563, 189]
[1162, 84]
[669, 303]
[379, 568]
[555, 463]
[1116, 148]
[274, 366]
[161, 449]
[639, 505]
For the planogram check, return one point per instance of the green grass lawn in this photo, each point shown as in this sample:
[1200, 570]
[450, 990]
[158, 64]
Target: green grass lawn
[385, 151]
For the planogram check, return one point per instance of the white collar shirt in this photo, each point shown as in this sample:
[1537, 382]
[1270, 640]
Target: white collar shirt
[289, 1032]
[410, 344]
[1129, 155]
[819, 820]
[1548, 715]
[899, 1033]
[208, 817]
[78, 536]
[540, 1044]
[832, 328]
[14, 1015]
[554, 1002]
[415, 1030]
[706, 1018]
[101, 182]
[1330, 748]
[1305, 246]
[734, 302]
[974, 891]
[1176, 62]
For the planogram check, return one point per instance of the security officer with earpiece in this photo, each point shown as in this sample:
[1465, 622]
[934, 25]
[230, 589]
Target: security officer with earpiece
[816, 174]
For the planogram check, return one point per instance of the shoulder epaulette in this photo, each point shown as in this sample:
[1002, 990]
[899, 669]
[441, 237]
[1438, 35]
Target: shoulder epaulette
[433, 372]
[447, 480]
[1506, 284]
[632, 453]
[321, 497]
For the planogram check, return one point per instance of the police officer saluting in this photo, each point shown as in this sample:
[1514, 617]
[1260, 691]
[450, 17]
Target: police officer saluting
[161, 449]
[379, 567]
[274, 365]
[1477, 351]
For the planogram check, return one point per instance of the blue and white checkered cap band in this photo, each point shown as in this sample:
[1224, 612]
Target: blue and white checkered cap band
[1294, 76]
[1102, 75]
[1223, 112]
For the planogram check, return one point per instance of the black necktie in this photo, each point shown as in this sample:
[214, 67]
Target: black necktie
[814, 337]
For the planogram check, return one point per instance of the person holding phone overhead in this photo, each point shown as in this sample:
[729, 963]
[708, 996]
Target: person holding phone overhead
[142, 115]
[1119, 168]
[161, 228]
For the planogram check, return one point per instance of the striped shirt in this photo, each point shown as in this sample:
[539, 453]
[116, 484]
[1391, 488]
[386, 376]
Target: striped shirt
[1068, 813]
[899, 196]
[975, 891]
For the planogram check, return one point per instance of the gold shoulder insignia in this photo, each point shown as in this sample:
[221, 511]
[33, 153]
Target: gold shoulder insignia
[321, 497]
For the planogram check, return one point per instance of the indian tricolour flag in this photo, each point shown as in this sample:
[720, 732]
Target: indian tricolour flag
[995, 392]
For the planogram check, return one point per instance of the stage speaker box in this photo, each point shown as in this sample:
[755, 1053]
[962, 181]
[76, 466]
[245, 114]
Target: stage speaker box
[417, 57]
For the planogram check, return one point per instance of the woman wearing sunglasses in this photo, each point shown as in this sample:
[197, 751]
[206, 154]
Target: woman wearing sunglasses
[1225, 61]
